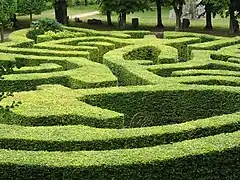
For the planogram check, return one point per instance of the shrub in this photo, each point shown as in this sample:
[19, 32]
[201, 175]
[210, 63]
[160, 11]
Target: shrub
[43, 25]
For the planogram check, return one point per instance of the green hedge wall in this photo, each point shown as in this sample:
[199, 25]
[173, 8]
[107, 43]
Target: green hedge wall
[120, 105]
[214, 157]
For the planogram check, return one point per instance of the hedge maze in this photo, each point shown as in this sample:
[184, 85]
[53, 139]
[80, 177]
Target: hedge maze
[121, 105]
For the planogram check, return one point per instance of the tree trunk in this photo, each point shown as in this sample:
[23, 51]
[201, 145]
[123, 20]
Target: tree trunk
[208, 10]
[109, 18]
[178, 23]
[2, 33]
[178, 12]
[232, 24]
[31, 17]
[122, 20]
[208, 20]
[159, 14]
[124, 15]
[86, 2]
[61, 11]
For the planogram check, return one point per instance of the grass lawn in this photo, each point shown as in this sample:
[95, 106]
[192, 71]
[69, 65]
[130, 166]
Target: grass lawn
[24, 20]
[147, 20]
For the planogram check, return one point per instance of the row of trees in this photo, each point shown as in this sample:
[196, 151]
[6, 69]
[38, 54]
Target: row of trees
[213, 7]
[226, 8]
[8, 8]
[229, 8]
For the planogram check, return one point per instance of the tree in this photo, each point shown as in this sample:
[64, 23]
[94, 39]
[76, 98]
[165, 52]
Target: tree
[61, 11]
[109, 18]
[159, 4]
[124, 7]
[106, 8]
[211, 8]
[7, 10]
[30, 7]
[227, 8]
[178, 8]
[234, 6]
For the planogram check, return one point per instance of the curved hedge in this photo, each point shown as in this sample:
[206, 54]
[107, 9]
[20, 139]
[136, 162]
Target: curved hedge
[120, 105]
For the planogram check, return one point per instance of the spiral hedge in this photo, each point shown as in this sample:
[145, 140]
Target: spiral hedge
[121, 105]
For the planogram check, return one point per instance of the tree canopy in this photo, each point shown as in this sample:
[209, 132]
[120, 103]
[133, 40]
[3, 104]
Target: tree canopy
[7, 10]
[30, 7]
[124, 7]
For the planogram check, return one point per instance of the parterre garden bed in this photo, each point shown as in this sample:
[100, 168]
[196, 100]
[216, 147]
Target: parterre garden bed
[121, 105]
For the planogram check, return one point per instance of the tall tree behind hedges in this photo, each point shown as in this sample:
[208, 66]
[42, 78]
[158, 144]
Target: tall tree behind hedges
[212, 8]
[124, 7]
[106, 8]
[234, 6]
[228, 8]
[159, 4]
[7, 9]
[178, 9]
[30, 7]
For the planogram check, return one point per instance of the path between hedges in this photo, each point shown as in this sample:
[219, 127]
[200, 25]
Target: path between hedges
[85, 14]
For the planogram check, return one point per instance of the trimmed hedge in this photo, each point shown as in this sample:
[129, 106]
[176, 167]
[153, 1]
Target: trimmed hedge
[77, 73]
[93, 51]
[90, 32]
[216, 45]
[167, 107]
[19, 39]
[48, 36]
[213, 157]
[45, 67]
[130, 103]
[127, 72]
[179, 120]
[81, 138]
[42, 52]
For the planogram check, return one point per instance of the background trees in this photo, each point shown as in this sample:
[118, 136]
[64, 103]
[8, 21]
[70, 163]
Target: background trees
[178, 7]
[7, 10]
[124, 7]
[225, 8]
[30, 7]
[106, 7]
[234, 9]
[159, 4]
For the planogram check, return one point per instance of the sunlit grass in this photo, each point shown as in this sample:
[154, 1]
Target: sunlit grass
[147, 20]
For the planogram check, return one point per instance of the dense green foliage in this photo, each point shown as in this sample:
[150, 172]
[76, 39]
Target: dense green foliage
[30, 7]
[7, 10]
[124, 7]
[43, 25]
[120, 105]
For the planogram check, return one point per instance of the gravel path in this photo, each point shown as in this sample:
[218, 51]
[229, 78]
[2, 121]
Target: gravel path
[85, 14]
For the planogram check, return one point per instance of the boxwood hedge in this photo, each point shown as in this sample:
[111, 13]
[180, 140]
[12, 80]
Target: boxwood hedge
[120, 105]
